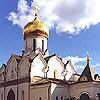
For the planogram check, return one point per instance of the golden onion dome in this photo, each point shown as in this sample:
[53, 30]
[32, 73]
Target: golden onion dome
[36, 28]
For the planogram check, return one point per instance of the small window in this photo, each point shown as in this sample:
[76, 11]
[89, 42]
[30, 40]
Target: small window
[56, 97]
[34, 45]
[22, 96]
[61, 97]
[42, 45]
[40, 98]
[84, 78]
[12, 74]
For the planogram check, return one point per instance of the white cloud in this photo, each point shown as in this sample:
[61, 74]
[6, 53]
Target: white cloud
[23, 15]
[75, 59]
[77, 62]
[97, 65]
[70, 16]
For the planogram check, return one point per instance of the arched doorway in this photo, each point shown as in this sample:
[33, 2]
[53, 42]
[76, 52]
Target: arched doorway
[11, 95]
[98, 96]
[84, 96]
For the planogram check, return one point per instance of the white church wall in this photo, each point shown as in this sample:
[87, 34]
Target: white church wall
[39, 42]
[39, 92]
[96, 87]
[59, 91]
[37, 67]
[70, 71]
[29, 44]
[23, 68]
[11, 69]
[55, 65]
[77, 89]
[1, 93]
[23, 90]
[45, 44]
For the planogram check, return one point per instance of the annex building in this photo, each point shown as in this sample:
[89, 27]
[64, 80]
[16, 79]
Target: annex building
[37, 75]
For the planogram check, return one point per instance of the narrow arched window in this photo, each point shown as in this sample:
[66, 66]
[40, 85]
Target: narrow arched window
[84, 96]
[40, 98]
[42, 45]
[22, 95]
[12, 74]
[56, 97]
[1, 96]
[61, 97]
[98, 95]
[34, 44]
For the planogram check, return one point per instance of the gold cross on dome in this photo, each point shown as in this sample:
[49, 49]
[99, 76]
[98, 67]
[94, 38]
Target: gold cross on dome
[36, 8]
[88, 58]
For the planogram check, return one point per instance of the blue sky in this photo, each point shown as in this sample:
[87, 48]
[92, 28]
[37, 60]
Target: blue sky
[61, 43]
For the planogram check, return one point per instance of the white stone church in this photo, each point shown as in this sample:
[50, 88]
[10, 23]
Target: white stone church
[37, 75]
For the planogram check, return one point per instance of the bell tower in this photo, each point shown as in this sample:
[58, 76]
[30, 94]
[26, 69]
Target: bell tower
[36, 34]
